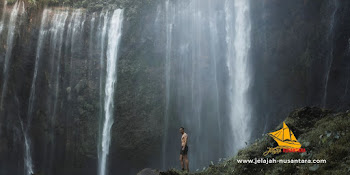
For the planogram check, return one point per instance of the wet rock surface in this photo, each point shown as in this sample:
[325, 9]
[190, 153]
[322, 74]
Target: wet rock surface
[312, 125]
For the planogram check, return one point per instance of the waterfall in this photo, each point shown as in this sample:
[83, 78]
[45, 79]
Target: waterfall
[28, 164]
[75, 36]
[91, 44]
[56, 40]
[27, 147]
[114, 36]
[57, 28]
[329, 61]
[238, 44]
[57, 31]
[9, 42]
[158, 13]
[214, 53]
[102, 36]
[169, 27]
[60, 33]
[3, 17]
[42, 33]
[193, 71]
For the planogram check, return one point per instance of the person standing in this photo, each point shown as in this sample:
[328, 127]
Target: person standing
[184, 150]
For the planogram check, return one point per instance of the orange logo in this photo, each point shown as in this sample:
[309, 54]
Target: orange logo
[286, 141]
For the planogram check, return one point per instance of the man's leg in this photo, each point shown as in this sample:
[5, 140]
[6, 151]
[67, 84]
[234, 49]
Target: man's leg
[182, 162]
[186, 163]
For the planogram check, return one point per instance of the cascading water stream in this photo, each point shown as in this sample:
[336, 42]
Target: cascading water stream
[114, 36]
[42, 34]
[3, 17]
[56, 41]
[91, 45]
[194, 71]
[329, 61]
[214, 46]
[103, 30]
[74, 29]
[28, 164]
[9, 42]
[27, 146]
[56, 32]
[238, 44]
[169, 22]
[58, 29]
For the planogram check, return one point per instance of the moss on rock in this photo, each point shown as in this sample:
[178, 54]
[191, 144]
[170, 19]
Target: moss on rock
[324, 135]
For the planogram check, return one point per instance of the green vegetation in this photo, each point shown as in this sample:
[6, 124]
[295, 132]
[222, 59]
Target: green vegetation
[324, 135]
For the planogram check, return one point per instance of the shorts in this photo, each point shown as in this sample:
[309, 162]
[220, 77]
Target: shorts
[184, 152]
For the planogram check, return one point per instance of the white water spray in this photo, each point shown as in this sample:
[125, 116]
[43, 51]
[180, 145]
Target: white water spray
[58, 29]
[114, 36]
[238, 45]
[3, 17]
[169, 28]
[9, 41]
[27, 143]
[329, 60]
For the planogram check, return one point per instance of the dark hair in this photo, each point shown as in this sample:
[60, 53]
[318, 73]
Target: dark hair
[182, 128]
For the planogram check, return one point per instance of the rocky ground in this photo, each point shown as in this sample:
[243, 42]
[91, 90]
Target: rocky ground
[323, 133]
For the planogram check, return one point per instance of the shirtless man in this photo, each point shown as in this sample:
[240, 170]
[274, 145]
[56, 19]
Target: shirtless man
[184, 150]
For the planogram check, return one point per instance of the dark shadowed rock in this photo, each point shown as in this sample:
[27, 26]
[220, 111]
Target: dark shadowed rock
[148, 171]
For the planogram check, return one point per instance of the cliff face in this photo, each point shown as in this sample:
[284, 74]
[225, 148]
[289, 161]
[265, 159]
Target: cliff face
[299, 56]
[140, 93]
[64, 129]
